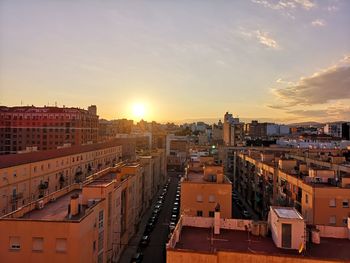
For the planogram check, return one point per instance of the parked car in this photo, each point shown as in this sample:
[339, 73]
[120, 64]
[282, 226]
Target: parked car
[172, 226]
[176, 204]
[157, 207]
[137, 257]
[173, 218]
[175, 210]
[153, 218]
[149, 227]
[156, 211]
[145, 241]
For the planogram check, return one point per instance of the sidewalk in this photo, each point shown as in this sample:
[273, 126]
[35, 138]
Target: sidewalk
[132, 246]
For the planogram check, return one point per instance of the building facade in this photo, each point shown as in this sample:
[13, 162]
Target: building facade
[317, 189]
[45, 128]
[233, 131]
[103, 213]
[29, 176]
[203, 188]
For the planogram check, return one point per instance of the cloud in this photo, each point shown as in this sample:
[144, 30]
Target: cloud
[323, 95]
[335, 113]
[266, 40]
[286, 4]
[319, 88]
[262, 37]
[318, 22]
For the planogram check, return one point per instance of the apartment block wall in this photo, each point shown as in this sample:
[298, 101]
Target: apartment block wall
[312, 200]
[21, 184]
[196, 197]
[73, 233]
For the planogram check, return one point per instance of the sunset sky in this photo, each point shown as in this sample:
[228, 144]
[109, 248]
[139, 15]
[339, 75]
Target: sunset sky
[285, 60]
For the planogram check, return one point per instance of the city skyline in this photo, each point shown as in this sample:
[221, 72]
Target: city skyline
[287, 61]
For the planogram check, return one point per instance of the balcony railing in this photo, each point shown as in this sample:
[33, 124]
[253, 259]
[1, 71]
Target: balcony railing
[16, 197]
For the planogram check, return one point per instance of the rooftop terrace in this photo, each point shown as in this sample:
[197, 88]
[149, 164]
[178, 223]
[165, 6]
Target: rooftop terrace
[104, 180]
[56, 210]
[202, 240]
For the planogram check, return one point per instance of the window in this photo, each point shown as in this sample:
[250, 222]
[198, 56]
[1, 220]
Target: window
[211, 213]
[332, 203]
[346, 203]
[199, 198]
[61, 245]
[100, 258]
[94, 246]
[37, 244]
[15, 243]
[306, 198]
[199, 213]
[211, 198]
[100, 219]
[100, 241]
[332, 220]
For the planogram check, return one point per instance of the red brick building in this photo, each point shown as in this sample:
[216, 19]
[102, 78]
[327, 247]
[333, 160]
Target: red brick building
[46, 127]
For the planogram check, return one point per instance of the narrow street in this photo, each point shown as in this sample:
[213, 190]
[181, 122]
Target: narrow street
[155, 251]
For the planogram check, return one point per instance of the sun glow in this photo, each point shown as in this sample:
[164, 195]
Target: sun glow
[138, 110]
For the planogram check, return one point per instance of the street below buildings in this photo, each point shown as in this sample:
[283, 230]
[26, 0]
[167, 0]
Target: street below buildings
[155, 251]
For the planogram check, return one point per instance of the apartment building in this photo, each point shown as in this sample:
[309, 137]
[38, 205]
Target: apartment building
[338, 129]
[45, 128]
[319, 193]
[203, 239]
[233, 131]
[154, 167]
[29, 176]
[92, 222]
[176, 151]
[205, 188]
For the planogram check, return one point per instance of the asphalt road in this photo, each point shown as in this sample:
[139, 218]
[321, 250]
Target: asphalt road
[155, 252]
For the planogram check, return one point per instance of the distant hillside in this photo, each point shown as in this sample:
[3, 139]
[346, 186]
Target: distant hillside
[307, 124]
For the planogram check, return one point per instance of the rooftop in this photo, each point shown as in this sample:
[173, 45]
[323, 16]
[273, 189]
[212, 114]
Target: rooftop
[287, 213]
[24, 158]
[200, 239]
[104, 180]
[57, 210]
[199, 178]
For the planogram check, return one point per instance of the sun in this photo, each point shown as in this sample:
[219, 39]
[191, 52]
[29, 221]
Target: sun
[138, 110]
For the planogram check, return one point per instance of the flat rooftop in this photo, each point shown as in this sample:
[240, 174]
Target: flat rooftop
[199, 178]
[200, 239]
[104, 180]
[56, 210]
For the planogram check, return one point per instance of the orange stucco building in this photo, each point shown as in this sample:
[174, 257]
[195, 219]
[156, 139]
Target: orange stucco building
[203, 188]
[89, 222]
[318, 189]
[29, 176]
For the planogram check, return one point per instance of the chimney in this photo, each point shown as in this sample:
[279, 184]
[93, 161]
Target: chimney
[217, 220]
[74, 205]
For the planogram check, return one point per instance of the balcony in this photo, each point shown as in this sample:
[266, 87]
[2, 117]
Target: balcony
[16, 197]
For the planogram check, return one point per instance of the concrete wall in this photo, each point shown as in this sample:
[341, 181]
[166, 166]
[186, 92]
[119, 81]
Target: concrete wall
[184, 256]
[333, 231]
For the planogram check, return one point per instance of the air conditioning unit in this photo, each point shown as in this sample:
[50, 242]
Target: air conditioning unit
[40, 204]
